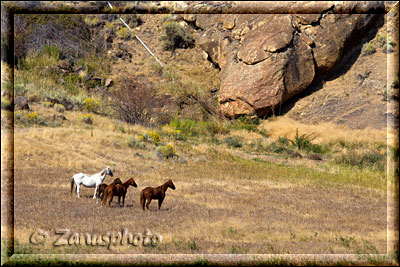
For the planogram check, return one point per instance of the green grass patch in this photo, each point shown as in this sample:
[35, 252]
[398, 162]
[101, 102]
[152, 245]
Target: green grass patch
[233, 141]
[370, 159]
[245, 123]
[193, 128]
[261, 170]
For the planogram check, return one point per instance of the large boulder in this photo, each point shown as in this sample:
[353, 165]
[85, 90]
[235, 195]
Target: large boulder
[266, 59]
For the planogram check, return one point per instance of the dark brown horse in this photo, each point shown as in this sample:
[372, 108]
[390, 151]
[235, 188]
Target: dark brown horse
[102, 187]
[117, 190]
[150, 193]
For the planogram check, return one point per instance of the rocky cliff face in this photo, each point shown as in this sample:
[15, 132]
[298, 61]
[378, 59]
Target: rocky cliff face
[265, 59]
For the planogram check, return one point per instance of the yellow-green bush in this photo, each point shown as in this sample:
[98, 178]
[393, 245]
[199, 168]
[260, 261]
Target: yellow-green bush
[32, 115]
[124, 34]
[368, 49]
[5, 104]
[167, 151]
[47, 104]
[175, 133]
[91, 105]
[30, 119]
[86, 118]
[154, 137]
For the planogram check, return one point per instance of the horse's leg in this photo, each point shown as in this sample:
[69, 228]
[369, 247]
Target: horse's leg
[111, 198]
[123, 200]
[95, 191]
[160, 200]
[142, 200]
[148, 203]
[119, 201]
[77, 189]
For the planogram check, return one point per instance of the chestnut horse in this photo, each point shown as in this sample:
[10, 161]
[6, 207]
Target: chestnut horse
[102, 187]
[117, 190]
[150, 193]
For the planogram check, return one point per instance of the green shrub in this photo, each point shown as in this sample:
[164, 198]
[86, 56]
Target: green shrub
[385, 42]
[124, 34]
[135, 143]
[233, 141]
[316, 148]
[51, 51]
[368, 49]
[301, 141]
[246, 123]
[196, 128]
[59, 108]
[283, 140]
[5, 104]
[363, 160]
[278, 148]
[133, 20]
[175, 36]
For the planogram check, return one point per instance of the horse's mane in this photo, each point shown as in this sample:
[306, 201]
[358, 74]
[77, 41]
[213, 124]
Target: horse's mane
[166, 183]
[127, 181]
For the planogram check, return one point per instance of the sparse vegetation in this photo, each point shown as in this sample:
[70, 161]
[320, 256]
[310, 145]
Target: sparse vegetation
[363, 160]
[385, 42]
[233, 141]
[368, 49]
[175, 36]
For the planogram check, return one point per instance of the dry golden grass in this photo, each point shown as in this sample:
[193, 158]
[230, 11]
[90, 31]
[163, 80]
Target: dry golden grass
[225, 203]
[324, 132]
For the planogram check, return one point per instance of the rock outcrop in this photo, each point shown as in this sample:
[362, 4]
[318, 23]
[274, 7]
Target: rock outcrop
[266, 59]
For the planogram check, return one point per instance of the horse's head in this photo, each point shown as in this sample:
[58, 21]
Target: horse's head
[132, 182]
[108, 171]
[171, 184]
[117, 181]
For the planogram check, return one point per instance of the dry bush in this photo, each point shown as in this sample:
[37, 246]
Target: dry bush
[136, 102]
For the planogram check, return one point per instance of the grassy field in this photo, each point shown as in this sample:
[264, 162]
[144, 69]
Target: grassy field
[227, 200]
[246, 186]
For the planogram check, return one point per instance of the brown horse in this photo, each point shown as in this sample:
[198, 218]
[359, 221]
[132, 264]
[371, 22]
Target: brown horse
[102, 187]
[150, 193]
[117, 190]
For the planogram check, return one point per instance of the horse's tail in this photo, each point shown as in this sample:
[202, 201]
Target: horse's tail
[104, 197]
[142, 200]
[72, 184]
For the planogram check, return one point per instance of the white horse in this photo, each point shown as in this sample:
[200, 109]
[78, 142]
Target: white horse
[89, 181]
